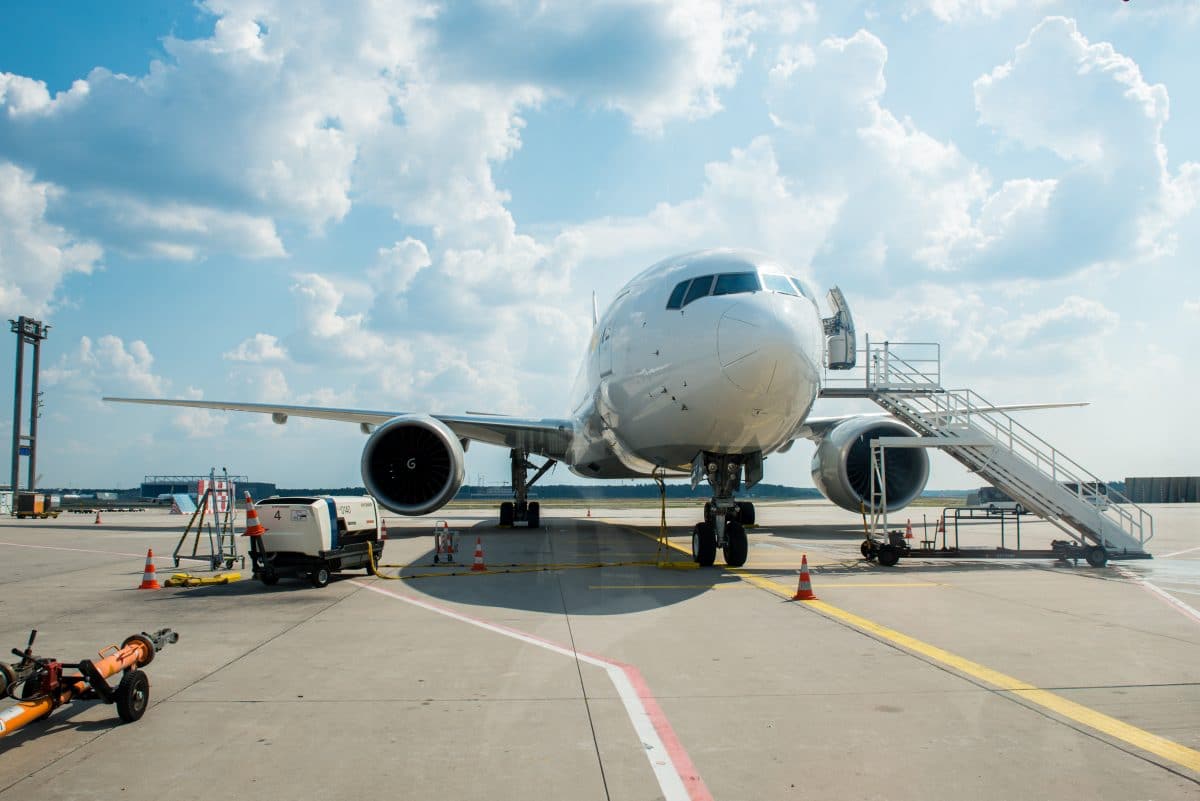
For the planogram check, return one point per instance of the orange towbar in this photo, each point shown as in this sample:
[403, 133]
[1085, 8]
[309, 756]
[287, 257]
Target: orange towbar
[44, 686]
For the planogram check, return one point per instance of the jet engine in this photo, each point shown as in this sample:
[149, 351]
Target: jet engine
[841, 466]
[413, 464]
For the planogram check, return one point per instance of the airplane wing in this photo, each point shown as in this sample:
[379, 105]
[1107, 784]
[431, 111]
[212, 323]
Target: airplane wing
[817, 427]
[544, 437]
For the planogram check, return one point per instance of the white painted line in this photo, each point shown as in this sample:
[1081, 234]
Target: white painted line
[80, 550]
[677, 777]
[1178, 553]
[1162, 594]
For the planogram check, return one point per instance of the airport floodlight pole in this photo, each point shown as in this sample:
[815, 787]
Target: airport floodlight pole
[32, 332]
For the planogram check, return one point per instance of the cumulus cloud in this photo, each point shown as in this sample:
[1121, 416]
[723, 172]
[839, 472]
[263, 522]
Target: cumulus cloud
[107, 366]
[971, 10]
[35, 255]
[1090, 106]
[258, 349]
[653, 61]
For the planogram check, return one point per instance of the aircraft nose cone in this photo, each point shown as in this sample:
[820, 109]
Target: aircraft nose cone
[753, 344]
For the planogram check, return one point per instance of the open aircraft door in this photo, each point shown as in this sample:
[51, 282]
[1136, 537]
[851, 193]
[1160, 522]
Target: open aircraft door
[840, 343]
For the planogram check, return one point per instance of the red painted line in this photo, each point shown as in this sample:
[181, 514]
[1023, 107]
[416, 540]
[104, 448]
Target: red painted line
[641, 708]
[696, 788]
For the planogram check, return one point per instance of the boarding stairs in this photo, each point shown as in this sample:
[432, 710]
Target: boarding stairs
[905, 380]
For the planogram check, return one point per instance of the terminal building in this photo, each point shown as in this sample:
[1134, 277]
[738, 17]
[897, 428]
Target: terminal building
[154, 487]
[1163, 489]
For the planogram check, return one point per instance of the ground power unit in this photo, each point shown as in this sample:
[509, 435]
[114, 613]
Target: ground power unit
[313, 537]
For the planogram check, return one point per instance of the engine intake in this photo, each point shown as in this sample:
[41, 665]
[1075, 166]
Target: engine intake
[413, 464]
[841, 466]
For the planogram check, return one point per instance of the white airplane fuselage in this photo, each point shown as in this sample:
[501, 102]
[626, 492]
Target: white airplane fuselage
[731, 373]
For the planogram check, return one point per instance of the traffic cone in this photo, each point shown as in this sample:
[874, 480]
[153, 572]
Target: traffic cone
[149, 579]
[479, 565]
[804, 588]
[253, 527]
[941, 529]
[908, 531]
[382, 529]
[589, 511]
[97, 520]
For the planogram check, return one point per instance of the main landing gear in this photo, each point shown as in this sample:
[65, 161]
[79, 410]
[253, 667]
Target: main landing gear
[725, 519]
[521, 509]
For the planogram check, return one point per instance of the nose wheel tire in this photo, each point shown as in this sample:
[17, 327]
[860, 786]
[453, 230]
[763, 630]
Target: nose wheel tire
[506, 514]
[533, 517]
[736, 546]
[704, 544]
[867, 549]
[746, 513]
[888, 556]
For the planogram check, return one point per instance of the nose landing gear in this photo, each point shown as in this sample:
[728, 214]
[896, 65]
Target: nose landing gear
[725, 519]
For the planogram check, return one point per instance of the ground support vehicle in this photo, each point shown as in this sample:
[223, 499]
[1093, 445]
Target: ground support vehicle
[315, 536]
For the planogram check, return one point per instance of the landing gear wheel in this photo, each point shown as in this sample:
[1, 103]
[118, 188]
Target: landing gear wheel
[868, 550]
[888, 556]
[746, 513]
[506, 514]
[269, 578]
[1097, 556]
[133, 695]
[319, 577]
[533, 515]
[704, 544]
[736, 546]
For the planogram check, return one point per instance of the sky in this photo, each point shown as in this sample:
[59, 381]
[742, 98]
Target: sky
[408, 206]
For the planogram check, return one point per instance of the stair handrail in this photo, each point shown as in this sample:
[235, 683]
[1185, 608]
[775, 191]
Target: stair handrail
[948, 405]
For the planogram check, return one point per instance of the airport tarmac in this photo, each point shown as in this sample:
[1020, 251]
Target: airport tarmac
[934, 679]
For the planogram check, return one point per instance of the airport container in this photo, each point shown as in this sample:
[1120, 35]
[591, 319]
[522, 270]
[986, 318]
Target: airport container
[314, 536]
[35, 504]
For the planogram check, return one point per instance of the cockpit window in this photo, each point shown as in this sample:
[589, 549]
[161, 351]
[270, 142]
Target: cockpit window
[728, 284]
[779, 283]
[736, 283]
[801, 288]
[676, 301]
[700, 287]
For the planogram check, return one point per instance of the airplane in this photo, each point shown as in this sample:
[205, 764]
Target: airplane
[702, 366]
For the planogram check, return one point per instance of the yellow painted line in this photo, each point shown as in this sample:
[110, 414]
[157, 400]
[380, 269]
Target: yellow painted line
[1117, 729]
[837, 585]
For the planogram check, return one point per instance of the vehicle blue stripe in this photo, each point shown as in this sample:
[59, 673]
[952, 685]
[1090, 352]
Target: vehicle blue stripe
[333, 527]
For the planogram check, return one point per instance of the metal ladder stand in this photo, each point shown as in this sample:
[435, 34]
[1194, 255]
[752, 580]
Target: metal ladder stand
[222, 541]
[905, 379]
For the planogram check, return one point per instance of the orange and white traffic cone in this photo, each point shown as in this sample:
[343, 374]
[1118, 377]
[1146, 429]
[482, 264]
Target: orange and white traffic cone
[804, 588]
[382, 529]
[149, 579]
[941, 529]
[253, 527]
[479, 566]
[908, 531]
[97, 520]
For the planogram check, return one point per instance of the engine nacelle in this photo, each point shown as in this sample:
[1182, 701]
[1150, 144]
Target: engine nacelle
[841, 466]
[413, 464]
